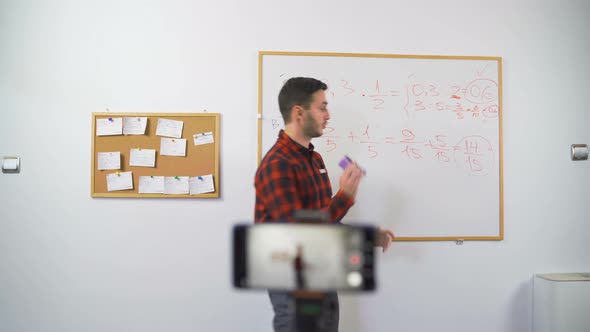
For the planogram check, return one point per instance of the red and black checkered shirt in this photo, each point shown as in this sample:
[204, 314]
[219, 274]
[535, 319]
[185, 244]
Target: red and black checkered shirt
[292, 177]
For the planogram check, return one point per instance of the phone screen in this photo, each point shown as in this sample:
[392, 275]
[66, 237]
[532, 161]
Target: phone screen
[304, 256]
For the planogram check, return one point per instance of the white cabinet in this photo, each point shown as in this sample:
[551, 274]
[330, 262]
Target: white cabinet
[561, 302]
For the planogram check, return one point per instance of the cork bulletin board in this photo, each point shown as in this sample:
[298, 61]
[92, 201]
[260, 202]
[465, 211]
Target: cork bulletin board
[200, 160]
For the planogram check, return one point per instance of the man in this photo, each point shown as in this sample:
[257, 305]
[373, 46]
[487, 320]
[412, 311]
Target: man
[292, 177]
[298, 267]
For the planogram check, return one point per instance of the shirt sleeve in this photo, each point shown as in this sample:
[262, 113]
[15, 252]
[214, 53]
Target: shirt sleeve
[339, 205]
[276, 187]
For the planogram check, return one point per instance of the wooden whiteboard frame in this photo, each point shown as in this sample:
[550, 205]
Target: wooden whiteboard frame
[190, 119]
[458, 238]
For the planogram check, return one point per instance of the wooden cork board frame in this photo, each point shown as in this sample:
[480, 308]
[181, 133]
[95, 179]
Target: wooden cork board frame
[199, 160]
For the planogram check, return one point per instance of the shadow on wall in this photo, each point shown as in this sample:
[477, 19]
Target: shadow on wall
[521, 308]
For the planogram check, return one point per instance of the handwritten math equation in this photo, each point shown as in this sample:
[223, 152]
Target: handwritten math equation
[476, 99]
[473, 101]
[474, 153]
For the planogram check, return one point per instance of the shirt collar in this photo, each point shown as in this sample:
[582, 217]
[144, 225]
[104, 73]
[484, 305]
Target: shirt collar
[289, 143]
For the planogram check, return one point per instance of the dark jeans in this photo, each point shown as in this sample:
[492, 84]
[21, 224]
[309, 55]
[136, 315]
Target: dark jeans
[283, 305]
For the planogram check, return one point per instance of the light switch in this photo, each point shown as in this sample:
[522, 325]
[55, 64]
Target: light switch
[579, 152]
[11, 165]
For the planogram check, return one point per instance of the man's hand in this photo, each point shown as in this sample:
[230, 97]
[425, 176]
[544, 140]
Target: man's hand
[350, 179]
[384, 238]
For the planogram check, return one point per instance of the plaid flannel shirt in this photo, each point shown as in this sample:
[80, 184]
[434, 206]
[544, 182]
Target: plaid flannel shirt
[292, 177]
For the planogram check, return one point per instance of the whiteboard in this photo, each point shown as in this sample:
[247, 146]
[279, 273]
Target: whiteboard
[427, 130]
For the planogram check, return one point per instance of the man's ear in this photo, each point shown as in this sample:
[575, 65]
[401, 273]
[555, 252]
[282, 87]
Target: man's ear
[296, 112]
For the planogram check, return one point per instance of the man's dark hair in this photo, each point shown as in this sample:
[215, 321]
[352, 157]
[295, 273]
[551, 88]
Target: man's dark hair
[298, 91]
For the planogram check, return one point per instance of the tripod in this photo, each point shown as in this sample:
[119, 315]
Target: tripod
[314, 311]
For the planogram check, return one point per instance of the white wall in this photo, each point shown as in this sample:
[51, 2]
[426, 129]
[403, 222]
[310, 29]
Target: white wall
[72, 263]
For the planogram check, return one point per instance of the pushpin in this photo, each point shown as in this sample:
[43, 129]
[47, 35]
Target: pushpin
[200, 178]
[111, 119]
[177, 178]
[118, 173]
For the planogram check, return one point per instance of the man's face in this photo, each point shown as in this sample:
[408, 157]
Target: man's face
[316, 117]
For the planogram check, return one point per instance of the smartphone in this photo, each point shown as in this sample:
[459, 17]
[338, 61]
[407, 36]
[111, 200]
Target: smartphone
[314, 257]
